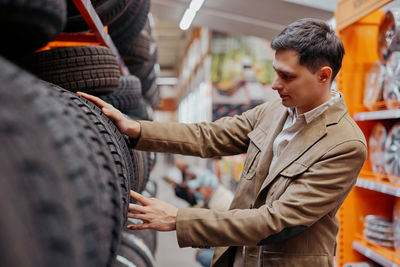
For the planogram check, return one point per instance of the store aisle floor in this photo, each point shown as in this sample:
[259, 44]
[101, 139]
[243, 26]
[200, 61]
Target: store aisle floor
[168, 253]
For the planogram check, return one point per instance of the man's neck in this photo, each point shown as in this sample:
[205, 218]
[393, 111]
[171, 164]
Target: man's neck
[322, 100]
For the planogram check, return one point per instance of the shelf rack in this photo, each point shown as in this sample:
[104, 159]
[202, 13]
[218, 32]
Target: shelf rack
[378, 186]
[358, 27]
[97, 36]
[377, 115]
[385, 256]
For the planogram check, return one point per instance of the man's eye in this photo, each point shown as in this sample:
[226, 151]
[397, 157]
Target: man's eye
[286, 77]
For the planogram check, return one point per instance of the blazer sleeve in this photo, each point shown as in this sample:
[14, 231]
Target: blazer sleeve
[226, 136]
[321, 189]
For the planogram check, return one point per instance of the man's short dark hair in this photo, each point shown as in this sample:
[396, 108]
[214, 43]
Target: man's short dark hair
[316, 43]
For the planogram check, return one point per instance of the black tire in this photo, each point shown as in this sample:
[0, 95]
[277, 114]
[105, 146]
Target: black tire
[149, 237]
[91, 69]
[131, 256]
[81, 168]
[142, 112]
[148, 81]
[138, 49]
[140, 169]
[116, 142]
[130, 23]
[142, 69]
[127, 96]
[152, 95]
[29, 25]
[39, 216]
[121, 261]
[151, 188]
[118, 183]
[135, 250]
[110, 185]
[108, 11]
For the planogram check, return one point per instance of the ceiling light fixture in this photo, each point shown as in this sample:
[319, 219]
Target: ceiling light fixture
[189, 14]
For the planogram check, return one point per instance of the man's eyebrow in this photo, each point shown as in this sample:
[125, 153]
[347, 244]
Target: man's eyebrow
[288, 73]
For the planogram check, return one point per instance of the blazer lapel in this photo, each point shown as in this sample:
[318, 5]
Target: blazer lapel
[308, 136]
[276, 124]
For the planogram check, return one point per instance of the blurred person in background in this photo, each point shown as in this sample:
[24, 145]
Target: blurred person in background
[200, 187]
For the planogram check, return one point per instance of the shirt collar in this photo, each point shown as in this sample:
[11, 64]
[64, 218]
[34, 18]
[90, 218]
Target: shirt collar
[312, 114]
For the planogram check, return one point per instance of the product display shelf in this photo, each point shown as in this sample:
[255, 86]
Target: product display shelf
[379, 183]
[97, 36]
[377, 115]
[384, 256]
[183, 87]
[201, 56]
[358, 25]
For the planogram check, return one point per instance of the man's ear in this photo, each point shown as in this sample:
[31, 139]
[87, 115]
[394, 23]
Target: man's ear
[324, 74]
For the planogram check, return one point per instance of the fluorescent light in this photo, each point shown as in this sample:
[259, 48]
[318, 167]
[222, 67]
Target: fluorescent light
[189, 14]
[196, 4]
[187, 19]
[167, 81]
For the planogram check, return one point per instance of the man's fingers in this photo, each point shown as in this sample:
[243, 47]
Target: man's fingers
[142, 226]
[135, 207]
[138, 216]
[100, 103]
[139, 198]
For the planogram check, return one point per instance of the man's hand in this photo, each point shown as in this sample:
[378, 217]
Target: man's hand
[155, 214]
[126, 126]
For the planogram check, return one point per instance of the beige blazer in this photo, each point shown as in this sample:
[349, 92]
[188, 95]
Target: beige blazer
[279, 217]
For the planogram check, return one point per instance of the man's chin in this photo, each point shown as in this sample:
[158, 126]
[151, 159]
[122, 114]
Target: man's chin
[287, 103]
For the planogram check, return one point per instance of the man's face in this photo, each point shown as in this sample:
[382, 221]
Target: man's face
[296, 84]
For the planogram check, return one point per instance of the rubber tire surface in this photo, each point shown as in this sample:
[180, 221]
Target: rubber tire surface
[142, 112]
[116, 142]
[142, 70]
[130, 23]
[35, 188]
[138, 48]
[29, 25]
[91, 69]
[135, 250]
[151, 188]
[127, 96]
[116, 184]
[81, 169]
[149, 237]
[107, 10]
[152, 95]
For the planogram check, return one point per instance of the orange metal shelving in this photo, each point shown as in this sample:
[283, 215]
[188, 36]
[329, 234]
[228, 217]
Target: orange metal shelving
[385, 256]
[358, 27]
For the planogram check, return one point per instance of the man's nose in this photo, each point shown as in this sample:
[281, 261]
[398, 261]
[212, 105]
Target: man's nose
[276, 84]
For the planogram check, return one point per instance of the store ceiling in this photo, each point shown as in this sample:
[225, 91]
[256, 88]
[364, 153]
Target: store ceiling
[263, 18]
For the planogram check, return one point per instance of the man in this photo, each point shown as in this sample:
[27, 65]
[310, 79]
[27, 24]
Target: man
[304, 153]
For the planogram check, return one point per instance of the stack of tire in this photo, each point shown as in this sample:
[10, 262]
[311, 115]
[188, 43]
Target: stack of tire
[130, 28]
[66, 168]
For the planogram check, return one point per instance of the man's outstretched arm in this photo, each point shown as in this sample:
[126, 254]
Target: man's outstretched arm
[227, 136]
